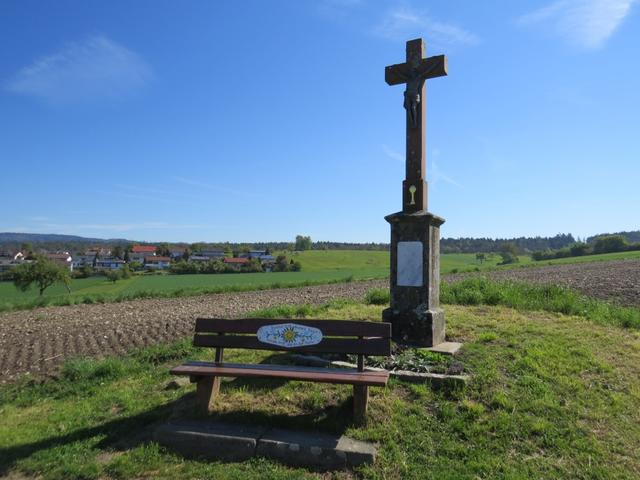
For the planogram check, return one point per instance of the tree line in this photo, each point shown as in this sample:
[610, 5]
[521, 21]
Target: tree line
[447, 245]
[598, 245]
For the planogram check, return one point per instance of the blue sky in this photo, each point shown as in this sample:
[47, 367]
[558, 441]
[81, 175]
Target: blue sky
[255, 120]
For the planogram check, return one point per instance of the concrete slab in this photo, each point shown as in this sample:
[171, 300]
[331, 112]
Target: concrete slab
[210, 440]
[316, 450]
[230, 442]
[446, 348]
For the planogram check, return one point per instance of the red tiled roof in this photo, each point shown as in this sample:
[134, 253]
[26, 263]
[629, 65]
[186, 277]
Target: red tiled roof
[144, 249]
[236, 260]
[157, 259]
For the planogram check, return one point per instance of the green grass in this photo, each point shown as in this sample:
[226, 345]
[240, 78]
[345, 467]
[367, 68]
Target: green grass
[482, 291]
[552, 396]
[100, 290]
[603, 257]
[318, 267]
[339, 260]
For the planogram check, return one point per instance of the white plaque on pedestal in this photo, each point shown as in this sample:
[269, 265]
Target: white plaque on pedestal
[410, 263]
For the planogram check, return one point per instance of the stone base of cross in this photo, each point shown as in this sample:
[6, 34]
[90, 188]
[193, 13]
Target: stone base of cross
[415, 313]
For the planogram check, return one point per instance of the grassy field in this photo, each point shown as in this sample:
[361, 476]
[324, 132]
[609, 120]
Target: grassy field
[603, 257]
[318, 267]
[552, 396]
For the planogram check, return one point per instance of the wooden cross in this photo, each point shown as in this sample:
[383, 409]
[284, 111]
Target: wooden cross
[414, 72]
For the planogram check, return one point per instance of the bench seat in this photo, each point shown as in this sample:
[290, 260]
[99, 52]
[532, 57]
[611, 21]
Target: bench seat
[316, 336]
[289, 372]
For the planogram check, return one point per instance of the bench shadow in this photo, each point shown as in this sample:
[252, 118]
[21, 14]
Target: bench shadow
[119, 434]
[261, 384]
[129, 432]
[330, 418]
[334, 418]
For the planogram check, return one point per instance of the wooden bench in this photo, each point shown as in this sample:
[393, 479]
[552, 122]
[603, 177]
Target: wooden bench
[300, 336]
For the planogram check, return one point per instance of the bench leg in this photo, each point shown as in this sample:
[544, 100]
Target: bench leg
[360, 400]
[206, 392]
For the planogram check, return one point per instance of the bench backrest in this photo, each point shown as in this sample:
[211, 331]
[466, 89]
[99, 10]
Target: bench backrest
[313, 336]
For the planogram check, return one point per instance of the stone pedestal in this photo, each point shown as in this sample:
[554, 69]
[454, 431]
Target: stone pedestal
[415, 312]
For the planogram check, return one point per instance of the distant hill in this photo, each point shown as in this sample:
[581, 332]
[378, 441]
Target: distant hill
[53, 241]
[8, 237]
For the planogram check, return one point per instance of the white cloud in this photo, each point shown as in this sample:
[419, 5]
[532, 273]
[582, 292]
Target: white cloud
[401, 23]
[393, 154]
[585, 23]
[94, 69]
[437, 174]
[118, 227]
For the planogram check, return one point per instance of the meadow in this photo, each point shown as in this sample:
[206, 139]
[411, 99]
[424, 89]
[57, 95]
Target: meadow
[551, 396]
[318, 267]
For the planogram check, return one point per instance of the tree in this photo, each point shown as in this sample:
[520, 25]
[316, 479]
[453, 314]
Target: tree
[610, 243]
[113, 275]
[480, 257]
[509, 253]
[125, 272]
[303, 243]
[198, 247]
[86, 271]
[281, 264]
[26, 249]
[163, 250]
[43, 272]
[117, 251]
[579, 249]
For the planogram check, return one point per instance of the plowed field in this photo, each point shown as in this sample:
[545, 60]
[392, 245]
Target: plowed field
[38, 341]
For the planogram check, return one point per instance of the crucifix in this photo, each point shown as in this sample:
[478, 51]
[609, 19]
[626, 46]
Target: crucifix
[414, 72]
[414, 308]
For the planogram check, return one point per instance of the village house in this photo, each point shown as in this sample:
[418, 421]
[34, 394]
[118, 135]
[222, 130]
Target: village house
[63, 259]
[99, 251]
[212, 254]
[140, 252]
[176, 253]
[236, 262]
[86, 260]
[157, 262]
[8, 260]
[198, 258]
[110, 263]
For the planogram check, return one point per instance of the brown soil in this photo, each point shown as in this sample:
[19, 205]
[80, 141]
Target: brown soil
[38, 341]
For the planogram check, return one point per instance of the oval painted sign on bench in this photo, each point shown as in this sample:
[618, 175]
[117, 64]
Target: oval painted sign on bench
[289, 335]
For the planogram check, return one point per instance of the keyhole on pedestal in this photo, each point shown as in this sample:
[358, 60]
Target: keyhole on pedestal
[412, 191]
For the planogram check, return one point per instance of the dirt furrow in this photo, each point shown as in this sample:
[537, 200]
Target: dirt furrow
[95, 330]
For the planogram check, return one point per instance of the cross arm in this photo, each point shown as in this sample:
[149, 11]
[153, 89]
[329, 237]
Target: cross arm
[429, 68]
[396, 74]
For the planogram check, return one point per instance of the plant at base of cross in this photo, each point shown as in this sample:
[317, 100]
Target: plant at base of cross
[43, 272]
[414, 360]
